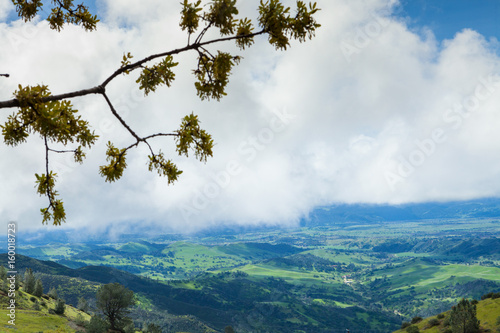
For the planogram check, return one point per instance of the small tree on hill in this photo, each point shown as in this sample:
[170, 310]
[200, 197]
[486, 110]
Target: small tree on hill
[412, 329]
[60, 307]
[113, 300]
[153, 328]
[53, 293]
[229, 329]
[38, 291]
[463, 317]
[83, 305]
[29, 281]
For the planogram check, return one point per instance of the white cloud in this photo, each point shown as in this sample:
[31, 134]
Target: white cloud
[377, 114]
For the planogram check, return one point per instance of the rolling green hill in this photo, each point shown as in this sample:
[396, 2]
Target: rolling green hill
[32, 315]
[488, 312]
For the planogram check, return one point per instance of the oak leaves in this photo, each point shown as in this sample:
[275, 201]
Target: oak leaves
[54, 118]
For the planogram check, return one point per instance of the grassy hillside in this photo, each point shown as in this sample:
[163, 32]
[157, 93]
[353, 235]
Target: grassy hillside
[32, 315]
[488, 311]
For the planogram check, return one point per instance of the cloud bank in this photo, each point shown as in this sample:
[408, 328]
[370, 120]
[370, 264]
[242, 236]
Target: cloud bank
[368, 111]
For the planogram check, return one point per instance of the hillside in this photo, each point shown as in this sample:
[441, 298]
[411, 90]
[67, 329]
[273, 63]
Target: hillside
[33, 315]
[351, 275]
[488, 312]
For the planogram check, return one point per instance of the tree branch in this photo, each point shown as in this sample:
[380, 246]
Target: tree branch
[49, 195]
[115, 113]
[100, 89]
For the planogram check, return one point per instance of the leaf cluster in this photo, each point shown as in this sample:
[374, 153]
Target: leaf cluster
[191, 136]
[27, 10]
[63, 11]
[277, 21]
[66, 12]
[213, 73]
[56, 121]
[55, 211]
[117, 163]
[165, 168]
[221, 15]
[161, 73]
[190, 17]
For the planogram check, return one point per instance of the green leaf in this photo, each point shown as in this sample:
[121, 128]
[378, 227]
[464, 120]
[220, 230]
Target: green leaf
[190, 17]
[117, 163]
[161, 73]
[191, 136]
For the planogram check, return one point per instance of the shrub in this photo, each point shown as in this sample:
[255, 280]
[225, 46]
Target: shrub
[52, 293]
[37, 307]
[416, 320]
[60, 307]
[79, 320]
[33, 299]
[405, 324]
[96, 325]
[440, 316]
[38, 291]
[434, 322]
[412, 329]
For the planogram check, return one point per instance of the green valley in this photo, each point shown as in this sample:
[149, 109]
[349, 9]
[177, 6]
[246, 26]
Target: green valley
[317, 279]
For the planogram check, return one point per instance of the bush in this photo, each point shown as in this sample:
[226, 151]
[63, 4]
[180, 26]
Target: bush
[440, 316]
[38, 291]
[412, 329]
[60, 307]
[434, 322]
[37, 307]
[79, 320]
[33, 299]
[491, 295]
[53, 293]
[405, 324]
[96, 325]
[416, 320]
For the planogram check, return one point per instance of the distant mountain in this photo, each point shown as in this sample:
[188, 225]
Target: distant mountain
[368, 213]
[321, 216]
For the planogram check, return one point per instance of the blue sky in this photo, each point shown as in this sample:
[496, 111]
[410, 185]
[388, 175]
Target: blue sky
[379, 114]
[446, 17]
